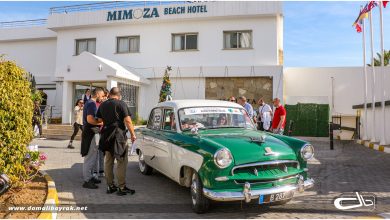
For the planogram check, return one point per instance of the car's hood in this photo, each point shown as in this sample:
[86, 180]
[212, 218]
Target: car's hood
[245, 150]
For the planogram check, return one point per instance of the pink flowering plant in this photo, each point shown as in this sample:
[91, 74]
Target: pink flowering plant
[33, 161]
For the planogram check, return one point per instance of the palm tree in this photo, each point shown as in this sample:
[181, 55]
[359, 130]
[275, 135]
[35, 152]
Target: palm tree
[378, 61]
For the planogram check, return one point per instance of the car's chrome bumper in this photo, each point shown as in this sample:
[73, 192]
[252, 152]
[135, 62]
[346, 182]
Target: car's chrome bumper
[247, 194]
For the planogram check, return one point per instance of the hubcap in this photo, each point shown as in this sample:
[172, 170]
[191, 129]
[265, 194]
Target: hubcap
[194, 189]
[141, 162]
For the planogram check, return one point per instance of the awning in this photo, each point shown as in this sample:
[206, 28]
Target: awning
[89, 67]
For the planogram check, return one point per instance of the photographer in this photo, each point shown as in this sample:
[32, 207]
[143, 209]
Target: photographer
[78, 121]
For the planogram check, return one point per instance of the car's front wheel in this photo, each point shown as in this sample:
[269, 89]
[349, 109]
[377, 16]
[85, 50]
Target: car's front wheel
[143, 167]
[200, 204]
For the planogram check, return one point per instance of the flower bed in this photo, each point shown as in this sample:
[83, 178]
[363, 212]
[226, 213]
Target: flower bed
[32, 192]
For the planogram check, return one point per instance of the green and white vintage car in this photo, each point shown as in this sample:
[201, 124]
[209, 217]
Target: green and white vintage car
[213, 148]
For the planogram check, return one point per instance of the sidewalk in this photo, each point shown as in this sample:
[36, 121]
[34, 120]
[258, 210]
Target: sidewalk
[347, 168]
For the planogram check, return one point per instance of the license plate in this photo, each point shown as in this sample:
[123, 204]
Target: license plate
[275, 197]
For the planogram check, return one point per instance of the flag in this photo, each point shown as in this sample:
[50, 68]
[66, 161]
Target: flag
[358, 18]
[371, 5]
[358, 28]
[363, 13]
[385, 3]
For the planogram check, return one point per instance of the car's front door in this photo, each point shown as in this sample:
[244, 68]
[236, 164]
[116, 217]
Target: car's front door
[163, 142]
[150, 135]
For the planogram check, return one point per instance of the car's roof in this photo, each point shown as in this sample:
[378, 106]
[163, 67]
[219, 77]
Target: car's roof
[185, 103]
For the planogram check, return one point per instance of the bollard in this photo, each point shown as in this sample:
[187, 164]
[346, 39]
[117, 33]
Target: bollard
[331, 135]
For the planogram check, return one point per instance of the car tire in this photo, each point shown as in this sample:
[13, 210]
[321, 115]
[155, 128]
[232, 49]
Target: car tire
[200, 204]
[143, 167]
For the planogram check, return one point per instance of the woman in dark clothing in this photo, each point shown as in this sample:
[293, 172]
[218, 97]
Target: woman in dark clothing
[36, 120]
[78, 121]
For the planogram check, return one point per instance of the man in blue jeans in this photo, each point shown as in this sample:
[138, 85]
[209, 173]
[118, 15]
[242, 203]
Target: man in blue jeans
[90, 139]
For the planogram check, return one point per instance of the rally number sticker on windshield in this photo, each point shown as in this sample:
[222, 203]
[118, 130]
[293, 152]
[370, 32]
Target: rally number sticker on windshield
[157, 118]
[211, 110]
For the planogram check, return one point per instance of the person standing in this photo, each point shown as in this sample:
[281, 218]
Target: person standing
[78, 121]
[37, 117]
[99, 169]
[248, 107]
[232, 99]
[86, 96]
[90, 139]
[264, 116]
[115, 116]
[279, 120]
[44, 99]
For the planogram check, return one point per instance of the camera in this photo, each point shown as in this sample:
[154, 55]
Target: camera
[4, 184]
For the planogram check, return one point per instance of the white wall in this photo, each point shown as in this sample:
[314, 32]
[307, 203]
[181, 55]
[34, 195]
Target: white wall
[188, 83]
[378, 129]
[155, 43]
[314, 85]
[184, 88]
[35, 56]
[215, 9]
[26, 33]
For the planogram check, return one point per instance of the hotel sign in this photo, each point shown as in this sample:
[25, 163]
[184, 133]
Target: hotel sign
[154, 12]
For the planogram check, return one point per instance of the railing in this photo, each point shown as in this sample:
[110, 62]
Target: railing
[110, 5]
[48, 113]
[26, 23]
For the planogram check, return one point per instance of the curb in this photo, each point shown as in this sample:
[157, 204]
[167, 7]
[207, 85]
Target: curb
[374, 146]
[51, 198]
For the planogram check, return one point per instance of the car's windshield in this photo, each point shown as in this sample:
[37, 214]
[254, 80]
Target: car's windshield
[213, 117]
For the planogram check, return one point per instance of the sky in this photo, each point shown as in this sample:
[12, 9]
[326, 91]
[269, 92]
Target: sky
[317, 34]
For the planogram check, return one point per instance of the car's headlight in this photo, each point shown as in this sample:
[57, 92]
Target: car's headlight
[307, 152]
[223, 158]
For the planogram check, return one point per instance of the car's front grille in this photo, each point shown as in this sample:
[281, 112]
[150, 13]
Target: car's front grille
[266, 172]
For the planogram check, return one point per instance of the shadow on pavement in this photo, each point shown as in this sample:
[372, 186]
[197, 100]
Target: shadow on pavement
[347, 168]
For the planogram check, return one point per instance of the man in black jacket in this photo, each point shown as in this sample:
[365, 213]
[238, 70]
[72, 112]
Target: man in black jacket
[115, 116]
[90, 139]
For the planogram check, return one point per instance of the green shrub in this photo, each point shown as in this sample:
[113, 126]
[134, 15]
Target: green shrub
[36, 96]
[16, 110]
[138, 120]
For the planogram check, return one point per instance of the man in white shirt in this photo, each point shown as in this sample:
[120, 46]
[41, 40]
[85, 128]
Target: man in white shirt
[264, 116]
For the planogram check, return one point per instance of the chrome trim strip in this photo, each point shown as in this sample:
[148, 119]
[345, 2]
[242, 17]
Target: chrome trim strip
[272, 162]
[271, 181]
[254, 194]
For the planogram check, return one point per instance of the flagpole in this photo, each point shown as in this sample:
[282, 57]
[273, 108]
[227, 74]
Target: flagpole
[373, 77]
[365, 137]
[383, 91]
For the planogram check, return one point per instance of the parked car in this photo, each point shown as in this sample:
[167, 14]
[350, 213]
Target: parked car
[213, 148]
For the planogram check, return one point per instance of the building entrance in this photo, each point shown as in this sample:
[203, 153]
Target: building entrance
[80, 87]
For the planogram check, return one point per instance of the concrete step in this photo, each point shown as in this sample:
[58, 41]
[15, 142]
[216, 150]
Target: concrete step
[61, 136]
[59, 131]
[59, 126]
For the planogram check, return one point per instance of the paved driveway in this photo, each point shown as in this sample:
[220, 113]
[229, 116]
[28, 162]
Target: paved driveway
[347, 168]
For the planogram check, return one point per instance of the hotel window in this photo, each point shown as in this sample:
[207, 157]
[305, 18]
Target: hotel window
[128, 44]
[237, 39]
[86, 45]
[182, 42]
